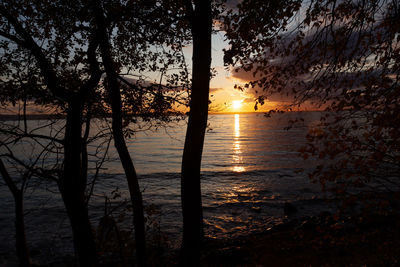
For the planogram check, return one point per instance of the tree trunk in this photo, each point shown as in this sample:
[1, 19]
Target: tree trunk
[193, 149]
[119, 139]
[20, 244]
[134, 191]
[72, 187]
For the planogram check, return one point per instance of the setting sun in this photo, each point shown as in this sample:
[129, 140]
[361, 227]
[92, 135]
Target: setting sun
[237, 104]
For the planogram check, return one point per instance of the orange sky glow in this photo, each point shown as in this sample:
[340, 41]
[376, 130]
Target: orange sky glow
[223, 95]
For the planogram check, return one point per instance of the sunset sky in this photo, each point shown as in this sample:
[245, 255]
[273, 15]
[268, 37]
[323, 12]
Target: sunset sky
[222, 93]
[223, 96]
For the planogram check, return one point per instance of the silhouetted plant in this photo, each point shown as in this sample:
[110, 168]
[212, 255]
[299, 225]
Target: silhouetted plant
[338, 56]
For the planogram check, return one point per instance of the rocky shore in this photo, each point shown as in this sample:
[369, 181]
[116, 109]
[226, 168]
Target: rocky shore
[324, 240]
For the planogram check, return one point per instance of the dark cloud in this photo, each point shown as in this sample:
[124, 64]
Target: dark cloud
[247, 76]
[242, 75]
[308, 70]
[324, 65]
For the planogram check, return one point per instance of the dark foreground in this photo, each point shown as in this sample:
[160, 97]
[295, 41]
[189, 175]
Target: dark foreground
[322, 241]
[372, 240]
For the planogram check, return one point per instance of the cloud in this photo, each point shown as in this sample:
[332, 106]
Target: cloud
[249, 100]
[287, 77]
[330, 63]
[244, 77]
[214, 90]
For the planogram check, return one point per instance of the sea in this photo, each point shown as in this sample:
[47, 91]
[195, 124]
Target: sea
[251, 167]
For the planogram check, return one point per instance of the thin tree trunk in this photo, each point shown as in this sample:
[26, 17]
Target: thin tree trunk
[72, 187]
[21, 243]
[72, 182]
[119, 139]
[134, 191]
[193, 149]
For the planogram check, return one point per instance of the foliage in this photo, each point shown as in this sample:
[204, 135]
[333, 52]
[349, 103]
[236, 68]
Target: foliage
[50, 57]
[145, 37]
[115, 238]
[339, 56]
[147, 41]
[62, 35]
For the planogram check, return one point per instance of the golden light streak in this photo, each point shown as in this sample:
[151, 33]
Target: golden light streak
[237, 158]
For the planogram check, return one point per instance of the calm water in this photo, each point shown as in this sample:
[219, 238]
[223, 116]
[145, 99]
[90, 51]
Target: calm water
[249, 168]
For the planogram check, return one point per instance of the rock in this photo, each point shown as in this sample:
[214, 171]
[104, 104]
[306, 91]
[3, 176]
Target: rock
[325, 218]
[309, 223]
[287, 226]
[324, 215]
[289, 209]
[256, 209]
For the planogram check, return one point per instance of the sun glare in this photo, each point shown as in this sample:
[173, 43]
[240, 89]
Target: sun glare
[237, 104]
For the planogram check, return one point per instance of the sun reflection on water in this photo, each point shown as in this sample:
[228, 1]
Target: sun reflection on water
[237, 126]
[237, 158]
[238, 169]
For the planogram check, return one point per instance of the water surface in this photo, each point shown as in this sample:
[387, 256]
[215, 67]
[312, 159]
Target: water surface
[249, 170]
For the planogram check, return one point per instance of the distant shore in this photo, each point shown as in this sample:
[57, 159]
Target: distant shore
[13, 117]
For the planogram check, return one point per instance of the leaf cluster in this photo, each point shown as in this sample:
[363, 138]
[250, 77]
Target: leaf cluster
[341, 56]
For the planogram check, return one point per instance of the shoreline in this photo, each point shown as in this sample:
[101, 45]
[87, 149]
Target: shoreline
[372, 240]
[369, 240]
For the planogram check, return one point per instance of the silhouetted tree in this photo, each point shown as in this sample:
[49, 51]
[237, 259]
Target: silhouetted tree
[51, 56]
[18, 195]
[340, 56]
[33, 156]
[200, 17]
[161, 32]
[49, 46]
[113, 88]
